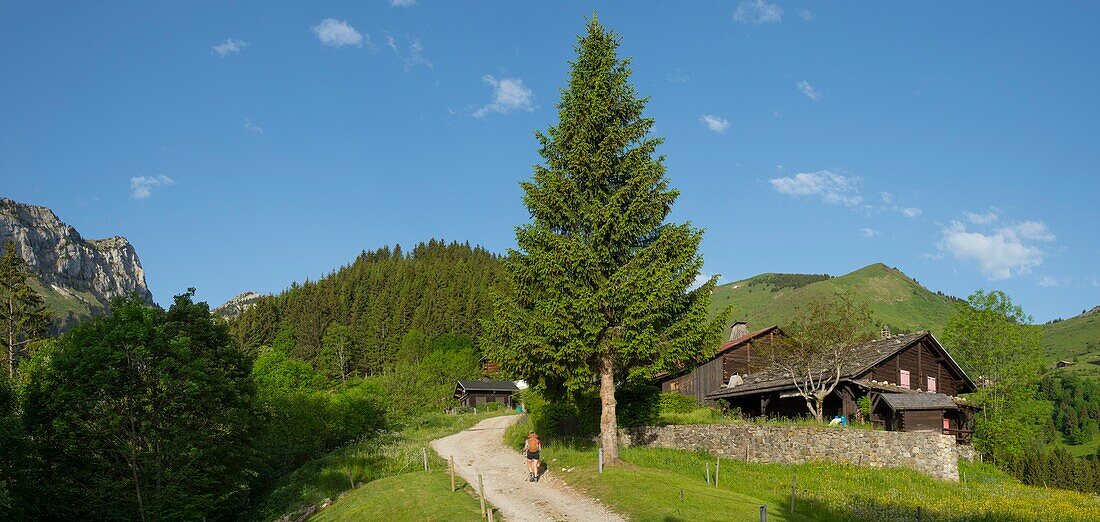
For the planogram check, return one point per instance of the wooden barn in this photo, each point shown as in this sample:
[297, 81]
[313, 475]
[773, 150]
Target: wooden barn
[732, 359]
[477, 393]
[912, 381]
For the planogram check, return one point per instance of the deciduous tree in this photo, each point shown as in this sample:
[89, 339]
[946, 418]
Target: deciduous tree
[816, 347]
[996, 342]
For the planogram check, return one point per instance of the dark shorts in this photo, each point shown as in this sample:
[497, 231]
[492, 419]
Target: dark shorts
[532, 455]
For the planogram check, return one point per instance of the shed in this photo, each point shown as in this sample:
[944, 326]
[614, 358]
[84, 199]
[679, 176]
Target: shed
[917, 411]
[476, 393]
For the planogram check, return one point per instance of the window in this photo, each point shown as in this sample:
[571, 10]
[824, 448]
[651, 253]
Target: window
[946, 423]
[931, 384]
[904, 378]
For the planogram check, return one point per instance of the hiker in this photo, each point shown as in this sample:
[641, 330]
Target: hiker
[531, 448]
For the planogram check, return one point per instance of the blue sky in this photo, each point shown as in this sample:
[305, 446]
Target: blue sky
[245, 146]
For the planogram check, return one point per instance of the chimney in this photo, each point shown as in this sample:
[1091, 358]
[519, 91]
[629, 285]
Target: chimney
[739, 329]
[885, 332]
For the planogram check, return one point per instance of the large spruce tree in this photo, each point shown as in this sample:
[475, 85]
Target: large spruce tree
[601, 288]
[22, 312]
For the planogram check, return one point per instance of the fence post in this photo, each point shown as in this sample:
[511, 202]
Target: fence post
[764, 513]
[452, 473]
[481, 491]
[600, 465]
[681, 494]
[424, 455]
[708, 473]
[717, 464]
[792, 494]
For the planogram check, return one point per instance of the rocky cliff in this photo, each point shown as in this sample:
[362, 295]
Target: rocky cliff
[76, 276]
[234, 307]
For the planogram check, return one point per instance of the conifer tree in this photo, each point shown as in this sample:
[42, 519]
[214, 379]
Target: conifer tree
[22, 312]
[601, 286]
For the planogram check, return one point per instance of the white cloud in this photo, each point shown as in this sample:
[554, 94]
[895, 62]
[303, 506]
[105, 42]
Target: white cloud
[805, 15]
[911, 212]
[230, 46]
[1034, 230]
[337, 33]
[831, 187]
[758, 12]
[1047, 282]
[402, 3]
[1000, 254]
[869, 232]
[252, 127]
[980, 219]
[415, 56]
[886, 197]
[809, 90]
[715, 123]
[508, 94]
[141, 187]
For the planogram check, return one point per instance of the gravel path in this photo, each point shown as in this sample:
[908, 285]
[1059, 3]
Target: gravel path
[481, 450]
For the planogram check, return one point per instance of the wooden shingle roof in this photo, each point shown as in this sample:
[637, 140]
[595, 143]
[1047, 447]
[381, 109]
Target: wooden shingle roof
[918, 401]
[860, 358]
[488, 386]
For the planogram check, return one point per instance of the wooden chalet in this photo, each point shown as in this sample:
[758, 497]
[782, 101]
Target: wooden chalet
[730, 362]
[912, 381]
[476, 393]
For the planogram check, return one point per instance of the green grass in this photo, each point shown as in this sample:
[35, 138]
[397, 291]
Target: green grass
[1079, 450]
[67, 309]
[412, 496]
[647, 487]
[892, 297]
[390, 454]
[1075, 339]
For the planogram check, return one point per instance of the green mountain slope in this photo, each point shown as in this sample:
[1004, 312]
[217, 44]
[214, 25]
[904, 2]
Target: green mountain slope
[893, 298]
[1076, 340]
[898, 301]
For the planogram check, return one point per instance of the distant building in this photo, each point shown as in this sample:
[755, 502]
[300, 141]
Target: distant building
[1063, 363]
[476, 393]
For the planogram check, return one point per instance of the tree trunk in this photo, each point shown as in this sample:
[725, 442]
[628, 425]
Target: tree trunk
[609, 433]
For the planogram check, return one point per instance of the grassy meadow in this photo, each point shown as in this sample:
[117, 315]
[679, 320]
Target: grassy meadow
[648, 486]
[394, 457]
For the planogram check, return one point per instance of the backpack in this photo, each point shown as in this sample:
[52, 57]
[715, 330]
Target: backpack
[535, 446]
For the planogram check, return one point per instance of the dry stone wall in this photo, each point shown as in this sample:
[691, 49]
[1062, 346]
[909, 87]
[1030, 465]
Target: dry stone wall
[930, 453]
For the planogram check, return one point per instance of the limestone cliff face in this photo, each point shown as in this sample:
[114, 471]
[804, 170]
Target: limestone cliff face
[233, 307]
[67, 263]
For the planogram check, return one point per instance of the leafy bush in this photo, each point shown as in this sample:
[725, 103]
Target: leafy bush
[677, 403]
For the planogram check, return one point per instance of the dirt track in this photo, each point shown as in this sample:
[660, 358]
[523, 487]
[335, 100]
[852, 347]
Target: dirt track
[481, 450]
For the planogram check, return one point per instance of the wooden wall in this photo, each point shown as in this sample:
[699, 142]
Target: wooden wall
[922, 361]
[921, 420]
[699, 382]
[477, 398]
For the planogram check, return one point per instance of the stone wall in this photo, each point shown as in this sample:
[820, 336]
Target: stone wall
[967, 452]
[930, 453]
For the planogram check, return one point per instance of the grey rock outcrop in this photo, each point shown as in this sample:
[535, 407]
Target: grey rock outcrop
[65, 262]
[237, 305]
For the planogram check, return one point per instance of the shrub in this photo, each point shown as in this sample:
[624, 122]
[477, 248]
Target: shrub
[677, 403]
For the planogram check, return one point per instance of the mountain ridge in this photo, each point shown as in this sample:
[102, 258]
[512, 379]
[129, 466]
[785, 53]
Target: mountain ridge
[77, 277]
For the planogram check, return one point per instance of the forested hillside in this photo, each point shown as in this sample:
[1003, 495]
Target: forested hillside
[371, 304]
